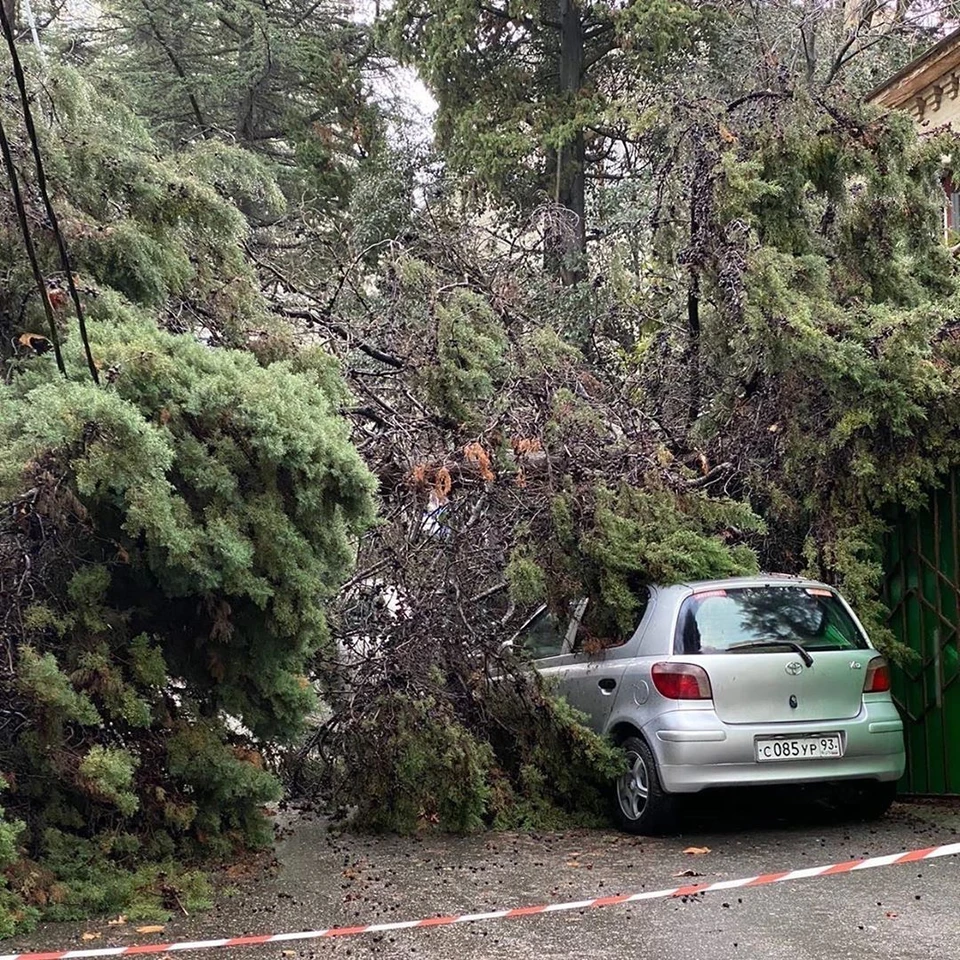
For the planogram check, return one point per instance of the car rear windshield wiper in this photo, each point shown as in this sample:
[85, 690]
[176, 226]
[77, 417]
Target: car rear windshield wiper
[792, 644]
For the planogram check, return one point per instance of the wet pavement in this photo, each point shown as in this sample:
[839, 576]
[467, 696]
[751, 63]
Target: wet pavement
[323, 880]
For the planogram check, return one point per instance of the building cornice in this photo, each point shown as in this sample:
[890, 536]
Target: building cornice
[931, 76]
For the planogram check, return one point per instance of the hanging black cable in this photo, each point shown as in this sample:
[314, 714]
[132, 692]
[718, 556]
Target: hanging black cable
[44, 193]
[28, 243]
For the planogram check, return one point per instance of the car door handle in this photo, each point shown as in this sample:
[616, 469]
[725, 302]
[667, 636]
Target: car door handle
[607, 684]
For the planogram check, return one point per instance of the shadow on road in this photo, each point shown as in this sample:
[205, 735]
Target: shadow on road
[756, 810]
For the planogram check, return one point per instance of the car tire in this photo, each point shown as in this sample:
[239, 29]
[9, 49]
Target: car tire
[641, 805]
[874, 800]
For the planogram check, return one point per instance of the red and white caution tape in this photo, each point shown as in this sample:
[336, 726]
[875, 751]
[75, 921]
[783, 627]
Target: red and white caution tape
[764, 879]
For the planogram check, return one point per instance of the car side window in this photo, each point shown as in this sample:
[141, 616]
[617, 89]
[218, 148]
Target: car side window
[543, 636]
[599, 630]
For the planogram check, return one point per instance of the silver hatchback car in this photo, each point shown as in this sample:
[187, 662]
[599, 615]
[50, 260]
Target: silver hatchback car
[758, 681]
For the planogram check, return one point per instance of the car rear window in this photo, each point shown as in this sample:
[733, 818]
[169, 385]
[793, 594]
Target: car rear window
[718, 621]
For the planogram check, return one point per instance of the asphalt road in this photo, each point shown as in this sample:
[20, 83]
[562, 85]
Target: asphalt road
[897, 912]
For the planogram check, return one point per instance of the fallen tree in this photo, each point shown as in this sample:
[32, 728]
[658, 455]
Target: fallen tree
[536, 444]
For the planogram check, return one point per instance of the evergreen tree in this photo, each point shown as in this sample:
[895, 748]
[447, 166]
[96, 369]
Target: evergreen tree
[531, 95]
[169, 537]
[282, 78]
[768, 331]
[781, 239]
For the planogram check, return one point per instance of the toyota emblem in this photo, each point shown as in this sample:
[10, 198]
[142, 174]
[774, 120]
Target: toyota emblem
[794, 668]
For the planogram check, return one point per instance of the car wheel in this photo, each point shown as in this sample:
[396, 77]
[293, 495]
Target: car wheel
[873, 800]
[641, 805]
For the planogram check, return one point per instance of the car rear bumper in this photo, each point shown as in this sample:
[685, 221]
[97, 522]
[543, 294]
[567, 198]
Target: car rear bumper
[695, 750]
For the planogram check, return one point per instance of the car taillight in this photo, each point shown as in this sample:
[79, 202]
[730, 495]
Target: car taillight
[877, 679]
[681, 681]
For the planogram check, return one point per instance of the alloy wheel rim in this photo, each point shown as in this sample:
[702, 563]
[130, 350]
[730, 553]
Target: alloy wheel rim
[633, 787]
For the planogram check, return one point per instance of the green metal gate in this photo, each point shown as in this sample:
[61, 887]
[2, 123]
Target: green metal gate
[923, 593]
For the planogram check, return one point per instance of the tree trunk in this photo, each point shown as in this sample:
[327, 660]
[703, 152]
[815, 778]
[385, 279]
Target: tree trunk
[246, 93]
[254, 80]
[693, 357]
[701, 188]
[566, 240]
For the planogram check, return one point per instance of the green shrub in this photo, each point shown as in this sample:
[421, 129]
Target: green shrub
[531, 764]
[191, 517]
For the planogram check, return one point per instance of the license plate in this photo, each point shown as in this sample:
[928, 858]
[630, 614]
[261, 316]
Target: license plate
[771, 749]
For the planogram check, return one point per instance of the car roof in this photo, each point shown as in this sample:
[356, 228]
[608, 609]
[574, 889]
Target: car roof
[757, 580]
[727, 583]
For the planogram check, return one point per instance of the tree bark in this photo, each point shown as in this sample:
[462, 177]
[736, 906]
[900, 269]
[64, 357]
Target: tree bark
[566, 240]
[693, 327]
[11, 8]
[700, 203]
[202, 128]
[253, 81]
[246, 94]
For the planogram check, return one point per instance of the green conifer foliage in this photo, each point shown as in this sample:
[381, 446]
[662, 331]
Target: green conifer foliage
[283, 79]
[190, 517]
[535, 97]
[13, 913]
[164, 229]
[169, 538]
[768, 331]
[826, 362]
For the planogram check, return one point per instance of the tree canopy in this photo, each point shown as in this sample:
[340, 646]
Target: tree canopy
[535, 99]
[284, 80]
[169, 536]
